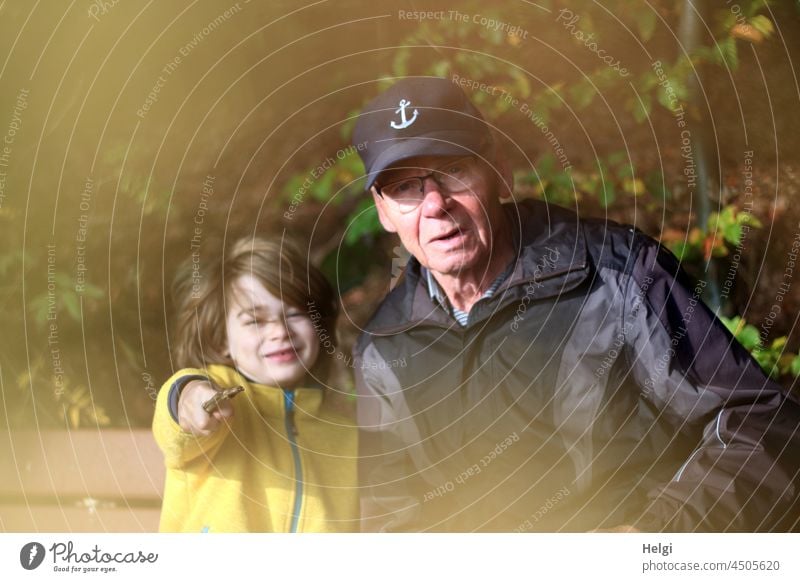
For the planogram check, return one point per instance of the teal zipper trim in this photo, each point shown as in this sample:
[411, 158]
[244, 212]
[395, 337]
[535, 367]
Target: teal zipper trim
[291, 431]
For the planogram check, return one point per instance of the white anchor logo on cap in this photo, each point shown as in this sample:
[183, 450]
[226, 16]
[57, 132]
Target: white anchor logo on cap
[402, 111]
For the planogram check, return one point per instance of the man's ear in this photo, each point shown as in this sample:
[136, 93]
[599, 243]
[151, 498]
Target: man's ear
[383, 214]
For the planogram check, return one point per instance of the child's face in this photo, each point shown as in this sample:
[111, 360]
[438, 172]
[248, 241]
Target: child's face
[268, 340]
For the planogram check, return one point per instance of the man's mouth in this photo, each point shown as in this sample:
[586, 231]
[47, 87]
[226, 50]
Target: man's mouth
[448, 235]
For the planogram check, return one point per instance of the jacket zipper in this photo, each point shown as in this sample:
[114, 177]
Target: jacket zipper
[291, 432]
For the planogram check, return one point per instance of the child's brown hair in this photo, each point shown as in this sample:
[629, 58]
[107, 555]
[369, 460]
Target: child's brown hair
[204, 283]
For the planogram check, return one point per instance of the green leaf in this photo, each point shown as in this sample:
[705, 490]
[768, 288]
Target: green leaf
[39, 306]
[346, 129]
[728, 53]
[441, 69]
[762, 24]
[293, 185]
[794, 367]
[732, 233]
[647, 81]
[522, 86]
[749, 337]
[322, 189]
[363, 221]
[766, 359]
[727, 19]
[728, 224]
[749, 219]
[642, 108]
[545, 166]
[657, 186]
[646, 20]
[778, 344]
[728, 214]
[582, 95]
[680, 88]
[667, 100]
[704, 54]
[731, 323]
[589, 184]
[495, 36]
[607, 194]
[681, 249]
[400, 66]
[72, 304]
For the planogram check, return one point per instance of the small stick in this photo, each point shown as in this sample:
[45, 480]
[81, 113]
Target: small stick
[212, 403]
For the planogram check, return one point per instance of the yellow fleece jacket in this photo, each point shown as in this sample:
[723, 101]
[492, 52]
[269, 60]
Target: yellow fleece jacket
[255, 474]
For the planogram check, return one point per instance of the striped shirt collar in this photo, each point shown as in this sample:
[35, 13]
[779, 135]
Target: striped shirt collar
[462, 317]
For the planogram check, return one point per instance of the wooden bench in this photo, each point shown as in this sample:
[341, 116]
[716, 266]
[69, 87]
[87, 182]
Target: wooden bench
[107, 480]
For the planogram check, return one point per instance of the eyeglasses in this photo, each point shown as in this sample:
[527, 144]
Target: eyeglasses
[457, 175]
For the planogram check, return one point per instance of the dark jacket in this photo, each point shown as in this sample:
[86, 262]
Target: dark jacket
[593, 389]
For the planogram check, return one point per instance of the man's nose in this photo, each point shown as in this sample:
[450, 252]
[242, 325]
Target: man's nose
[435, 200]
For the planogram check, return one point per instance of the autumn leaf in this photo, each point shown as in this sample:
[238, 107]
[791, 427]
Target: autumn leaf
[746, 32]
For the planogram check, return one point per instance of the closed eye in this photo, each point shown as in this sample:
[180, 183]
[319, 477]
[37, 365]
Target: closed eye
[291, 316]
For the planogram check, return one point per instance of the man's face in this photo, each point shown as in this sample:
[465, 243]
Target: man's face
[449, 232]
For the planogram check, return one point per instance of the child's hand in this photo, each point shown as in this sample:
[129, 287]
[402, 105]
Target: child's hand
[191, 416]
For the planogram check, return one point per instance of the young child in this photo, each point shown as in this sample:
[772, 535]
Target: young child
[278, 457]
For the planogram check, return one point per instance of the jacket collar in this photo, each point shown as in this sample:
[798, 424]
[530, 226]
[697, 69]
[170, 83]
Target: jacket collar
[308, 398]
[549, 243]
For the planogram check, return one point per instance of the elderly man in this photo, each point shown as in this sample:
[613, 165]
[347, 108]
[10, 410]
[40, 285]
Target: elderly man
[557, 374]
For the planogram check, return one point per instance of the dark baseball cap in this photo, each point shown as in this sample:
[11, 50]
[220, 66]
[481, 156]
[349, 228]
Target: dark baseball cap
[418, 116]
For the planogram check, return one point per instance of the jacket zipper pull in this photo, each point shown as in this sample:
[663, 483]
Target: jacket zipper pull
[288, 396]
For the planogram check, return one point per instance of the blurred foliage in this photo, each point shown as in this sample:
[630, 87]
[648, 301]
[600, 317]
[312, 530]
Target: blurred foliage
[774, 358]
[613, 180]
[145, 199]
[67, 405]
[47, 379]
[723, 231]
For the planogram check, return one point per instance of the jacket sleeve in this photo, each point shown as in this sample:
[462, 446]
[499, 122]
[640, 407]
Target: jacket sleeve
[181, 448]
[742, 475]
[387, 477]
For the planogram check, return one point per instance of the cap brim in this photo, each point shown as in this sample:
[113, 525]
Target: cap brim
[443, 143]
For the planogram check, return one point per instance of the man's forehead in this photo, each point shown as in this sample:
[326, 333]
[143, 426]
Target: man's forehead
[415, 164]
